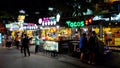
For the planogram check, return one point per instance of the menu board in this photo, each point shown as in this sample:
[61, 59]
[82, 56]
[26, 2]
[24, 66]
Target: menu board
[117, 41]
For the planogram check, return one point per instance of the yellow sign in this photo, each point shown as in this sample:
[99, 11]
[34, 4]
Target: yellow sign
[117, 41]
[21, 18]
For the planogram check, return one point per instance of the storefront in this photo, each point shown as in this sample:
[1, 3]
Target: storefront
[26, 28]
[110, 29]
[53, 32]
[69, 45]
[49, 33]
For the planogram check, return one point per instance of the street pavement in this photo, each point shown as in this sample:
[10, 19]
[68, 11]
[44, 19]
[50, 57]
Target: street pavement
[12, 58]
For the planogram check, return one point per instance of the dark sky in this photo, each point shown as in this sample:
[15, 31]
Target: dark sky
[23, 4]
[27, 4]
[31, 6]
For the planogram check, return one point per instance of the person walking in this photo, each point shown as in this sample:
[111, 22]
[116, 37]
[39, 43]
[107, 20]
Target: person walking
[22, 43]
[25, 44]
[3, 41]
[17, 41]
[9, 41]
[37, 43]
[106, 39]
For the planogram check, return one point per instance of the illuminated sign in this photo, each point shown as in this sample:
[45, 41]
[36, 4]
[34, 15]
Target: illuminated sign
[7, 25]
[25, 26]
[47, 21]
[116, 18]
[21, 18]
[75, 24]
[14, 26]
[29, 24]
[51, 46]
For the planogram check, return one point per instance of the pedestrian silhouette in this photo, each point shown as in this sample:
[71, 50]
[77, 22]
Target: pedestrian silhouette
[26, 45]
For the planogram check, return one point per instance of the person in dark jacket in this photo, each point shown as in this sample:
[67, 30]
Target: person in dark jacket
[22, 43]
[25, 43]
[17, 41]
[93, 43]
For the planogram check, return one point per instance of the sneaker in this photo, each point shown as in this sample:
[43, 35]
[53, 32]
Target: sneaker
[93, 63]
[88, 62]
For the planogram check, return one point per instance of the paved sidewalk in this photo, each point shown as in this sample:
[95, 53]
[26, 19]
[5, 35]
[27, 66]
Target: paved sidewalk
[113, 63]
[12, 58]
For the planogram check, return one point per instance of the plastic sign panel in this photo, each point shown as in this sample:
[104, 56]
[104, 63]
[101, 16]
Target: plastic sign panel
[75, 24]
[47, 21]
[7, 25]
[51, 46]
[24, 26]
[21, 18]
[112, 18]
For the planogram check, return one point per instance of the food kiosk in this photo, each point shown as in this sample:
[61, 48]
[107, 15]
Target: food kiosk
[63, 37]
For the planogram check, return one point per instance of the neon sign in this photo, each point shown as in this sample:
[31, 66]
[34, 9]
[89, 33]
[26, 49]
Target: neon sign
[29, 24]
[47, 21]
[75, 24]
[24, 26]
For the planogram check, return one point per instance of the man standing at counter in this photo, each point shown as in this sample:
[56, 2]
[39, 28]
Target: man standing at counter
[37, 43]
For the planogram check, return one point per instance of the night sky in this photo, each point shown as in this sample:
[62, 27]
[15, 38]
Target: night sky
[23, 4]
[31, 6]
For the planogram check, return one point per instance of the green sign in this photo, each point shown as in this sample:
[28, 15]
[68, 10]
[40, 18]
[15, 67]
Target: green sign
[75, 24]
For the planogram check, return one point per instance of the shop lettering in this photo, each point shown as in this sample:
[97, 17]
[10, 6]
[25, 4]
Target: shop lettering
[47, 21]
[24, 27]
[31, 24]
[96, 18]
[75, 24]
[29, 27]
